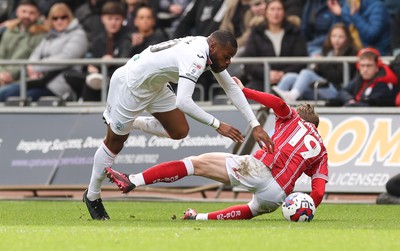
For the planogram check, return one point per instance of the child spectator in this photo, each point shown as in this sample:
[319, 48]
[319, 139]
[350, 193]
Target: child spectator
[375, 83]
[316, 21]
[294, 86]
[112, 42]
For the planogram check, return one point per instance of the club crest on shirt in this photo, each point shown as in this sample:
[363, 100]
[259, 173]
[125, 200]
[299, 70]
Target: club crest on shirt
[195, 71]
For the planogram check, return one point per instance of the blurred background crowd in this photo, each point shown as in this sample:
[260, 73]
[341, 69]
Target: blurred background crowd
[46, 30]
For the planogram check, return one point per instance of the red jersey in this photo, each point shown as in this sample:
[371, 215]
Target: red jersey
[298, 146]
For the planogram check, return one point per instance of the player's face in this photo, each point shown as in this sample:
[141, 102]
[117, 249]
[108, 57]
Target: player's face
[221, 57]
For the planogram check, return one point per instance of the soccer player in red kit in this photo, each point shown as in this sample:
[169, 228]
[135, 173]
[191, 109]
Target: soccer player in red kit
[270, 177]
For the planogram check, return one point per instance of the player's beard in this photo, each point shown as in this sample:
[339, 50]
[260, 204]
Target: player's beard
[215, 67]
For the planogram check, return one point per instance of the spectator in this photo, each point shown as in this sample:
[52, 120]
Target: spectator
[23, 34]
[88, 15]
[294, 10]
[113, 42]
[375, 83]
[146, 34]
[6, 9]
[45, 5]
[169, 13]
[294, 86]
[273, 38]
[392, 195]
[131, 8]
[395, 35]
[392, 6]
[201, 18]
[368, 20]
[65, 40]
[239, 18]
[317, 20]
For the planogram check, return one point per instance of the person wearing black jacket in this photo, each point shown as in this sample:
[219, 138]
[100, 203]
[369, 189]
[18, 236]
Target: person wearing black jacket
[275, 37]
[201, 18]
[395, 35]
[113, 41]
[375, 83]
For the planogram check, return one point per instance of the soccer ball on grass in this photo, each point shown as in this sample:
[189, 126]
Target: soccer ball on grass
[298, 207]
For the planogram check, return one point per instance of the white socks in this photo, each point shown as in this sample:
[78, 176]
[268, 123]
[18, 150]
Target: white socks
[150, 125]
[202, 217]
[103, 158]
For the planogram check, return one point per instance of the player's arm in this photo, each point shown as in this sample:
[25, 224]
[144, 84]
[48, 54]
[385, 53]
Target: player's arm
[185, 103]
[277, 104]
[319, 175]
[318, 190]
[239, 100]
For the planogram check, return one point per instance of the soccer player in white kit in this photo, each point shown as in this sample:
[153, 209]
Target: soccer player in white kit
[269, 176]
[142, 85]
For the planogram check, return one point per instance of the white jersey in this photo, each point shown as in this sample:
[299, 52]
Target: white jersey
[159, 64]
[181, 61]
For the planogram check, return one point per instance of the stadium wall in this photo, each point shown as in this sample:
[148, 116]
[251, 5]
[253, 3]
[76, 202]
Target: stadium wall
[55, 146]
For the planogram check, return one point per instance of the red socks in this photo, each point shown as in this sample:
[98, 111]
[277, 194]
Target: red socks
[239, 212]
[165, 172]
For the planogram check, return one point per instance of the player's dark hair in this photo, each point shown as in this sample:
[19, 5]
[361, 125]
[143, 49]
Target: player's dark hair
[307, 112]
[224, 37]
[28, 2]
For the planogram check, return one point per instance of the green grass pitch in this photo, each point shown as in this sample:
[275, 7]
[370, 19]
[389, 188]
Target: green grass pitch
[139, 226]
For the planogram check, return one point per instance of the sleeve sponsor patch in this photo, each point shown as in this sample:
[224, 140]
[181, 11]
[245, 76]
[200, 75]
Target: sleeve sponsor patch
[195, 70]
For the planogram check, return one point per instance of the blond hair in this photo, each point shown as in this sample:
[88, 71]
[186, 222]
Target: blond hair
[307, 113]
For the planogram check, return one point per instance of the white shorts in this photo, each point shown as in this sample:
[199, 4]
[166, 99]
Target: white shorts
[250, 174]
[123, 107]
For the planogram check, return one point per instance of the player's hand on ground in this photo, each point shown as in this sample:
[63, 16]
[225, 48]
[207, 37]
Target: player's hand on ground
[230, 132]
[263, 139]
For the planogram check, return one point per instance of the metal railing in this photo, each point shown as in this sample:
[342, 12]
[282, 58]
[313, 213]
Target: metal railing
[237, 60]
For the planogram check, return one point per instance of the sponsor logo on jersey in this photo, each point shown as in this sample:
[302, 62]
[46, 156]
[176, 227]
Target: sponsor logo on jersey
[119, 126]
[195, 71]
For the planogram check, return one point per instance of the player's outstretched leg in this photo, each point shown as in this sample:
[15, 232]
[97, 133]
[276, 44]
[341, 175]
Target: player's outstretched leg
[120, 179]
[238, 212]
[96, 208]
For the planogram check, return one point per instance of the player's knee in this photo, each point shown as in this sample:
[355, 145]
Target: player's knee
[179, 134]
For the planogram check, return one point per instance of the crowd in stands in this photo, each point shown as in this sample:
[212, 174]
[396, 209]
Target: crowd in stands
[51, 30]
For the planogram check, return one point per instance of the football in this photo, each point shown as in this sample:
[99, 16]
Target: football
[298, 207]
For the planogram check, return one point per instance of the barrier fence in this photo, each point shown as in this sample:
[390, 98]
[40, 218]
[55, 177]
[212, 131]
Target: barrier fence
[238, 60]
